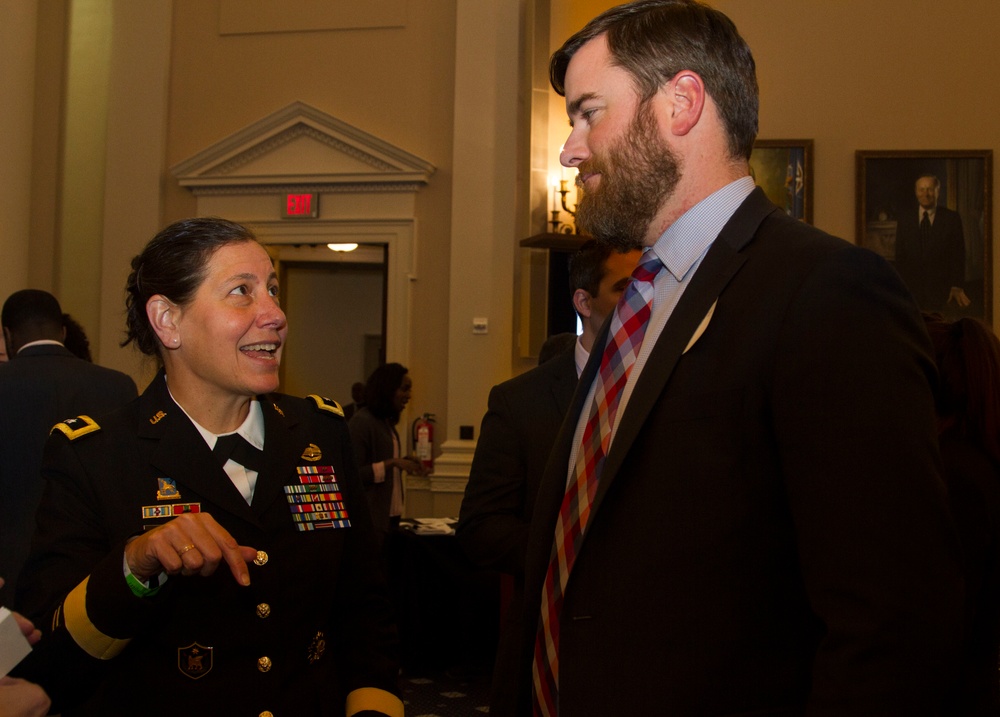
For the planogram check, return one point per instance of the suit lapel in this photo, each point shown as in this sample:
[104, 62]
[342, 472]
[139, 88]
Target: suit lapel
[564, 379]
[689, 319]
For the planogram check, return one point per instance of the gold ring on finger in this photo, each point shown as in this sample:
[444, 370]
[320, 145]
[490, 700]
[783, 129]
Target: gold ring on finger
[185, 549]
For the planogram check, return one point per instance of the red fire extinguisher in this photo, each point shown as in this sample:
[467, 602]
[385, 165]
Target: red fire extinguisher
[423, 440]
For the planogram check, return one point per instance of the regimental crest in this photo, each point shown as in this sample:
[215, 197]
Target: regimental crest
[78, 427]
[316, 648]
[327, 404]
[312, 453]
[166, 489]
[194, 661]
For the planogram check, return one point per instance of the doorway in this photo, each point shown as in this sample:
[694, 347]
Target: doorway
[336, 308]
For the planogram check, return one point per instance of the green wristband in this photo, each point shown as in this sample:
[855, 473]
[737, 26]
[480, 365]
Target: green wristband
[138, 589]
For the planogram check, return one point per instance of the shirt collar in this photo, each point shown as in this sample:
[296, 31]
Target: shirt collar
[684, 241]
[40, 342]
[581, 356]
[252, 427]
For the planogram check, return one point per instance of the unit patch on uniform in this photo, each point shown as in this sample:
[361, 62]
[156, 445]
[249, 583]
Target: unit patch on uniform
[74, 428]
[316, 502]
[167, 489]
[195, 660]
[169, 511]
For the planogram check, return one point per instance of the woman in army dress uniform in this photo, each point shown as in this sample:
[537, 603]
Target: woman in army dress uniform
[207, 549]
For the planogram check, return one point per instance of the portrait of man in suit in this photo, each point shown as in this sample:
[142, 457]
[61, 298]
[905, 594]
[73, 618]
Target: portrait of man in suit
[930, 250]
[742, 513]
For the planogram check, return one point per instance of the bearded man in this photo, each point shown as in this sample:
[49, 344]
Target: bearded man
[743, 512]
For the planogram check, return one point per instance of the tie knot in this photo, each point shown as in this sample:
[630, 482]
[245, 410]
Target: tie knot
[649, 266]
[238, 448]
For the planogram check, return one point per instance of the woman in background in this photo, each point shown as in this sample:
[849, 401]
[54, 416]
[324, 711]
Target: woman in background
[967, 353]
[377, 446]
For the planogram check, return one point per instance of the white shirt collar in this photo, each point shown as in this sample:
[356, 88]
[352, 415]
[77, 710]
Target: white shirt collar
[40, 342]
[252, 427]
[581, 355]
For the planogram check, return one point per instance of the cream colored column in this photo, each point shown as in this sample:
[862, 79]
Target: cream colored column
[134, 161]
[18, 20]
[483, 234]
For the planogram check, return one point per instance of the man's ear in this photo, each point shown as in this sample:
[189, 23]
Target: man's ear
[581, 302]
[686, 96]
[163, 315]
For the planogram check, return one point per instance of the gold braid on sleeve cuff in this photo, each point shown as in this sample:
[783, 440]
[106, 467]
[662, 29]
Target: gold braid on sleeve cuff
[372, 698]
[91, 640]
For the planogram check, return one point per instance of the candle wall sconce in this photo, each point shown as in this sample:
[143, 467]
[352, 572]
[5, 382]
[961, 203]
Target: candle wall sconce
[558, 226]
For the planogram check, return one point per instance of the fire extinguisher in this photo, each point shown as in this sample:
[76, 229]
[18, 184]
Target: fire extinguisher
[423, 440]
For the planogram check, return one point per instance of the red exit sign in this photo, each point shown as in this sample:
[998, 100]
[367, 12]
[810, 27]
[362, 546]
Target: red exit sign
[300, 206]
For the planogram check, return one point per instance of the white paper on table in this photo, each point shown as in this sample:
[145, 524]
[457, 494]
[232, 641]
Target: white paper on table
[434, 526]
[14, 646]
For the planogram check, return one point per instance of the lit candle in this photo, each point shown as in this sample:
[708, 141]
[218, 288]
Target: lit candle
[555, 205]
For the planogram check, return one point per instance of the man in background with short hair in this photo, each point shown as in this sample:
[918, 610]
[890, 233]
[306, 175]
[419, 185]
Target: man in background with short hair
[41, 384]
[517, 433]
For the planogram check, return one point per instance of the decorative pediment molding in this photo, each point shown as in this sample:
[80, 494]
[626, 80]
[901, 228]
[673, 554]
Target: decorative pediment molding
[300, 146]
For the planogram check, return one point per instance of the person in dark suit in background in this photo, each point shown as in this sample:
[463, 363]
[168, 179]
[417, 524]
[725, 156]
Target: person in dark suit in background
[968, 408]
[743, 512]
[42, 384]
[517, 433]
[357, 400]
[930, 250]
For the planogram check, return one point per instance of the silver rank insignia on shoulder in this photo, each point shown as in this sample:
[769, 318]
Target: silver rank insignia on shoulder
[312, 453]
[194, 661]
[74, 428]
[167, 489]
[327, 404]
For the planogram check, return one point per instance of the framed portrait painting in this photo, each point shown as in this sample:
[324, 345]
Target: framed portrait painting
[929, 213]
[783, 169]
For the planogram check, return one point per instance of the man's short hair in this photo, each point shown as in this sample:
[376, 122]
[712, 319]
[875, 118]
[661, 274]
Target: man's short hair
[587, 267]
[31, 308]
[653, 40]
[929, 175]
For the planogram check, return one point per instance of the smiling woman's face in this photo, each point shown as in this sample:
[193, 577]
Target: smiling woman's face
[228, 339]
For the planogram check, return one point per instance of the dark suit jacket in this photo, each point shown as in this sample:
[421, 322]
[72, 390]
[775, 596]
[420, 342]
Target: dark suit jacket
[372, 441]
[516, 437]
[974, 491]
[770, 534]
[930, 268]
[39, 387]
[316, 605]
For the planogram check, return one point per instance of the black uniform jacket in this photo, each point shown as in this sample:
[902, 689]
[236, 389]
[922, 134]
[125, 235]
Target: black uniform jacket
[313, 626]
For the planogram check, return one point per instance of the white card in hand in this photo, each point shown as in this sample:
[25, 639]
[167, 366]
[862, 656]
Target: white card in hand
[14, 646]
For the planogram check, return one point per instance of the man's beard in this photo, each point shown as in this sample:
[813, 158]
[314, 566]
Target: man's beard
[637, 175]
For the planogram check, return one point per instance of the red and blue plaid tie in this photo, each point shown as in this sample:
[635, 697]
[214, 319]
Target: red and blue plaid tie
[628, 326]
